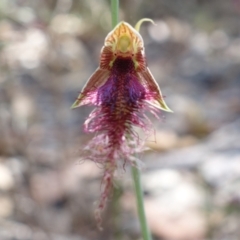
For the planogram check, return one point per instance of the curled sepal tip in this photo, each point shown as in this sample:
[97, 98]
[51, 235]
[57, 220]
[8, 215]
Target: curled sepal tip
[139, 23]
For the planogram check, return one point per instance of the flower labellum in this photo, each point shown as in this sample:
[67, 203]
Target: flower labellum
[122, 89]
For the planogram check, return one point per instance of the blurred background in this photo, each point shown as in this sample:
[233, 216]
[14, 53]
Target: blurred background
[191, 177]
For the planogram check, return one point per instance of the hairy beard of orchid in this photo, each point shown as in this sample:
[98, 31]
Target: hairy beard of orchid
[122, 89]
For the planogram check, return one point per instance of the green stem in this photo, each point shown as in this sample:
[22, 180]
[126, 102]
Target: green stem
[135, 171]
[140, 204]
[114, 11]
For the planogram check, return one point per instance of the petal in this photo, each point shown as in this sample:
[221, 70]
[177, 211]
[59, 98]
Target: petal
[140, 61]
[124, 40]
[156, 97]
[97, 79]
[106, 58]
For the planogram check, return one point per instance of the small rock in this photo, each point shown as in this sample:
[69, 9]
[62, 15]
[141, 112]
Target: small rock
[174, 206]
[46, 187]
[187, 225]
[163, 140]
[6, 178]
[6, 206]
[74, 175]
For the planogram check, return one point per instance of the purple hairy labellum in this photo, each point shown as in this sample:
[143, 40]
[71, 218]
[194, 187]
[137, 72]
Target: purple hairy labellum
[121, 89]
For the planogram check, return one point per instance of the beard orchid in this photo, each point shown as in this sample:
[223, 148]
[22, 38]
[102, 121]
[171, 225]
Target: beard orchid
[122, 88]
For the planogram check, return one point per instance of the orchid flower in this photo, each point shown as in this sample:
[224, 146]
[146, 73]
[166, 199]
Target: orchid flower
[122, 89]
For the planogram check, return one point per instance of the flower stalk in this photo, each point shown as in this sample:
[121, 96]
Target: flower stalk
[114, 12]
[136, 175]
